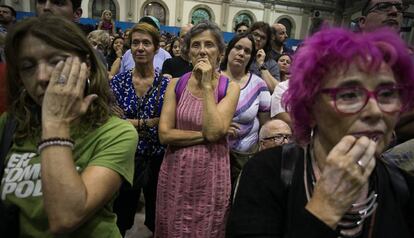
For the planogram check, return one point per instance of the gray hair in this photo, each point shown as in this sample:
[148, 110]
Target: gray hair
[102, 35]
[198, 29]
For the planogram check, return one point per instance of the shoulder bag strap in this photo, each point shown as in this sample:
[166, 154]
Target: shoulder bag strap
[398, 182]
[180, 86]
[290, 155]
[222, 87]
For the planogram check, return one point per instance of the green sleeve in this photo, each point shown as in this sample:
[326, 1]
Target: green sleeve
[115, 148]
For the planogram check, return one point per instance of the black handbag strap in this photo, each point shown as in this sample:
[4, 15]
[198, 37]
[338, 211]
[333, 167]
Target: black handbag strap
[6, 141]
[290, 155]
[398, 182]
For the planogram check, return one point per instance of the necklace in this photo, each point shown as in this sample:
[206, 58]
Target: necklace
[351, 224]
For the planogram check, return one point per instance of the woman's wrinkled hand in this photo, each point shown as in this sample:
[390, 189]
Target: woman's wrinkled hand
[64, 99]
[346, 170]
[203, 72]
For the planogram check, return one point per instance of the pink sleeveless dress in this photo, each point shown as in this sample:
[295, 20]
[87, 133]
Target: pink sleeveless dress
[193, 194]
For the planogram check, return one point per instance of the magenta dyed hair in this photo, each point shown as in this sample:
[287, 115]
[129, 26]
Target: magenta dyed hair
[334, 50]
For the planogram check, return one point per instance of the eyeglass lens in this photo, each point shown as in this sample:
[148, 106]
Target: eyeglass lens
[352, 100]
[387, 6]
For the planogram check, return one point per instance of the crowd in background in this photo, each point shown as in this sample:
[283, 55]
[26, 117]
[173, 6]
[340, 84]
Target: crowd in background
[203, 127]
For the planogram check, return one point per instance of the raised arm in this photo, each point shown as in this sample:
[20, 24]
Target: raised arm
[168, 134]
[71, 197]
[271, 82]
[217, 117]
[269, 72]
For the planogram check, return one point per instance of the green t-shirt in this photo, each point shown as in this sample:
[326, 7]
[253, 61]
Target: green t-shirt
[112, 146]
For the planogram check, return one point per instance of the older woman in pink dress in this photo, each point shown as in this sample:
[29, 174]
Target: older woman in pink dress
[193, 196]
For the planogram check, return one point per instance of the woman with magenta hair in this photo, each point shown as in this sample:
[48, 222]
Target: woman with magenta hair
[344, 105]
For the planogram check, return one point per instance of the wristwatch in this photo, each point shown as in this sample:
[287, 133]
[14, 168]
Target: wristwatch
[262, 67]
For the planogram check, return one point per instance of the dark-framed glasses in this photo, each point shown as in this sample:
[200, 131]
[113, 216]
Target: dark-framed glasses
[387, 6]
[279, 138]
[351, 100]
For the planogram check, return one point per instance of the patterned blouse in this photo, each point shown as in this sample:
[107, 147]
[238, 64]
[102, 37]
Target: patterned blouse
[254, 99]
[145, 107]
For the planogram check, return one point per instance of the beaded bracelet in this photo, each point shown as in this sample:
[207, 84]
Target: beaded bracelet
[55, 141]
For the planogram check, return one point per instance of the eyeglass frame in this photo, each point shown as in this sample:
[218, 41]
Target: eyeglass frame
[282, 137]
[404, 7]
[332, 92]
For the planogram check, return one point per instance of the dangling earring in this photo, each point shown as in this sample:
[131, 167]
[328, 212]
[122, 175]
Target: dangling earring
[312, 134]
[394, 139]
[22, 95]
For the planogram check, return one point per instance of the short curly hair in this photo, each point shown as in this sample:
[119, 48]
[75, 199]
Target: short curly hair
[240, 24]
[336, 49]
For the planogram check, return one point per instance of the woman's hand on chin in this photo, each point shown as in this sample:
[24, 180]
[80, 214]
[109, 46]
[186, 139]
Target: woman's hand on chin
[346, 170]
[203, 72]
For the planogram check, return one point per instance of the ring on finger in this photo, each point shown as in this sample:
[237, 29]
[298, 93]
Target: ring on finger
[361, 166]
[61, 79]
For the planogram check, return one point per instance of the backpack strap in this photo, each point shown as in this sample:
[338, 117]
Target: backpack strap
[397, 180]
[223, 84]
[290, 155]
[6, 141]
[180, 86]
[182, 83]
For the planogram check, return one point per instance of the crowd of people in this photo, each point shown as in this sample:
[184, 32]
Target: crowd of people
[241, 139]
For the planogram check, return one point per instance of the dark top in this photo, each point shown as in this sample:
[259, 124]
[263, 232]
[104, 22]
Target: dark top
[110, 59]
[176, 67]
[145, 107]
[271, 65]
[263, 207]
[3, 88]
[86, 28]
[286, 50]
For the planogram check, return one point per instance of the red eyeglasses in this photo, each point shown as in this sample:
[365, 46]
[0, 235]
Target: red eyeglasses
[351, 100]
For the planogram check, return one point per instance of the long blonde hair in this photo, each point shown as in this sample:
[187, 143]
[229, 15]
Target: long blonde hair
[103, 16]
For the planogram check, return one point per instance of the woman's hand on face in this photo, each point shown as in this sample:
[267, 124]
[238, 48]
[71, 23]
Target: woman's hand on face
[260, 57]
[118, 51]
[203, 72]
[347, 169]
[64, 99]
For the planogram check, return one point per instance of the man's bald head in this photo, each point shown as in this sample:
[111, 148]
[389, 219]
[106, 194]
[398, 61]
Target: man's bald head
[184, 29]
[280, 34]
[272, 127]
[271, 130]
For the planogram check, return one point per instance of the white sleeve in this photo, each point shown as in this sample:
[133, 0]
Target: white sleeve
[276, 99]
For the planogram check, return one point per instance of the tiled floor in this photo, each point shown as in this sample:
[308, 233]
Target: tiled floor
[139, 230]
